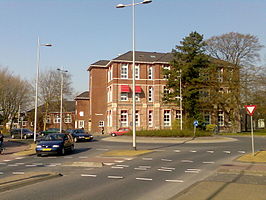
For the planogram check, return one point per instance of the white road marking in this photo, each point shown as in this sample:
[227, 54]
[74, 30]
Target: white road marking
[208, 162]
[12, 165]
[122, 165]
[175, 181]
[68, 157]
[177, 151]
[55, 163]
[140, 168]
[18, 158]
[241, 152]
[144, 179]
[83, 156]
[210, 151]
[147, 158]
[119, 161]
[165, 170]
[166, 160]
[196, 172]
[128, 158]
[6, 160]
[50, 165]
[31, 165]
[172, 168]
[192, 171]
[116, 167]
[89, 175]
[145, 166]
[115, 177]
[18, 173]
[187, 161]
[2, 163]
[1, 173]
[108, 164]
[228, 152]
[102, 149]
[193, 151]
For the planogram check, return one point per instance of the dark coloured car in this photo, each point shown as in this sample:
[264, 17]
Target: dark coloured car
[80, 135]
[21, 133]
[50, 130]
[55, 143]
[120, 131]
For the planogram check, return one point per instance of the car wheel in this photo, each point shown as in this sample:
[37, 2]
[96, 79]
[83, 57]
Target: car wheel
[39, 154]
[62, 151]
[72, 148]
[113, 134]
[13, 136]
[75, 139]
[25, 136]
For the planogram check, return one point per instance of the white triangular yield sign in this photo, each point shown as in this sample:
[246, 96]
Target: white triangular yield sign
[251, 109]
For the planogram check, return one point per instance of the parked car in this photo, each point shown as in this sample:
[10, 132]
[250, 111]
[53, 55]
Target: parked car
[21, 132]
[55, 143]
[50, 130]
[80, 135]
[120, 131]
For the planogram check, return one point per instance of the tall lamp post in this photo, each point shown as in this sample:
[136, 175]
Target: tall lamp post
[133, 64]
[61, 103]
[36, 84]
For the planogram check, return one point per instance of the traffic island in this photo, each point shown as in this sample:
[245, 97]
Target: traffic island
[20, 180]
[259, 157]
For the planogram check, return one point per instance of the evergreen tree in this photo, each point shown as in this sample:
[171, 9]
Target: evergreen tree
[194, 67]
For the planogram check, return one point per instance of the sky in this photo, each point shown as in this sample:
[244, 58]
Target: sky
[85, 31]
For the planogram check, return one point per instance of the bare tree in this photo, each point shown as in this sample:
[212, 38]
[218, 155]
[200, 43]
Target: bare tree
[50, 91]
[14, 93]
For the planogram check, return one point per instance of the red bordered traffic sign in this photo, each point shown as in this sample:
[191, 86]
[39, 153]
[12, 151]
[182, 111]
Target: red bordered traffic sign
[251, 109]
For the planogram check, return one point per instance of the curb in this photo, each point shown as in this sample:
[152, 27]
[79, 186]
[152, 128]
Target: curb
[17, 181]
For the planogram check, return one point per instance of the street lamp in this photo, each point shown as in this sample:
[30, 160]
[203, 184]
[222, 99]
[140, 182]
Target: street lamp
[61, 104]
[133, 63]
[36, 83]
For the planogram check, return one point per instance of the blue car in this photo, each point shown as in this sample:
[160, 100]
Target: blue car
[55, 143]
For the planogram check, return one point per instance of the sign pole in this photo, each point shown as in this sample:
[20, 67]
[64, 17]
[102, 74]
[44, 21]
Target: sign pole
[252, 136]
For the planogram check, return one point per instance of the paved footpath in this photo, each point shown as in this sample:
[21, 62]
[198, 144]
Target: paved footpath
[11, 148]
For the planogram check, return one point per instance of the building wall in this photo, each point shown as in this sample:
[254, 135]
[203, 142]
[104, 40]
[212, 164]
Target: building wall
[83, 119]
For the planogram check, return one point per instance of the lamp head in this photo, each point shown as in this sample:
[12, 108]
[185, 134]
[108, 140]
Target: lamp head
[120, 5]
[146, 1]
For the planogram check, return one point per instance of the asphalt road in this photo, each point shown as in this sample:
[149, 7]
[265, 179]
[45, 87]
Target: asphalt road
[169, 169]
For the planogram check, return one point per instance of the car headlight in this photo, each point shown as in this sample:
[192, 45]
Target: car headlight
[38, 146]
[81, 136]
[56, 146]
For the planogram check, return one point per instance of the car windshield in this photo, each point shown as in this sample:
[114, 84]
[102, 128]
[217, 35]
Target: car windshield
[26, 130]
[79, 131]
[52, 137]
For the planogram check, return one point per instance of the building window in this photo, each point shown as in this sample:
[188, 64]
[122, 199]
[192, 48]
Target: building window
[166, 67]
[166, 91]
[57, 119]
[124, 118]
[48, 119]
[137, 72]
[68, 118]
[150, 94]
[137, 96]
[137, 118]
[220, 118]
[207, 117]
[150, 118]
[178, 114]
[101, 123]
[150, 74]
[24, 123]
[167, 118]
[109, 94]
[81, 124]
[124, 71]
[81, 113]
[109, 118]
[124, 96]
[110, 74]
[220, 74]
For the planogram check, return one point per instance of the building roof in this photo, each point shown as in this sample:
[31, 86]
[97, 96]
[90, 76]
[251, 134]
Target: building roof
[100, 63]
[83, 96]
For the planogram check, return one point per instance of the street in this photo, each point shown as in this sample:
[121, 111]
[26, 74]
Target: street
[161, 174]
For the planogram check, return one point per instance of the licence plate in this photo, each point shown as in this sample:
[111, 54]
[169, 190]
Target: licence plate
[87, 138]
[46, 149]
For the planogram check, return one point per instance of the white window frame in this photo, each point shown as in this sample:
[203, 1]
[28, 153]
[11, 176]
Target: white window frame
[167, 118]
[178, 114]
[124, 71]
[168, 68]
[124, 118]
[150, 94]
[48, 119]
[207, 117]
[150, 118]
[110, 74]
[123, 96]
[221, 118]
[101, 123]
[220, 72]
[81, 124]
[137, 71]
[109, 94]
[137, 96]
[57, 119]
[68, 118]
[150, 72]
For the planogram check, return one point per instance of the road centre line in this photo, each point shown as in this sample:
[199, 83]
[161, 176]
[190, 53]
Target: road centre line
[210, 151]
[122, 165]
[6, 160]
[147, 158]
[193, 151]
[119, 161]
[177, 151]
[1, 173]
[241, 152]
[166, 160]
[83, 156]
[12, 165]
[116, 167]
[108, 163]
[89, 175]
[115, 177]
[187, 161]
[18, 173]
[228, 152]
[172, 168]
[102, 149]
[165, 170]
[208, 162]
[140, 168]
[31, 165]
[68, 157]
[144, 179]
[196, 172]
[175, 181]
[2, 163]
[145, 166]
[18, 158]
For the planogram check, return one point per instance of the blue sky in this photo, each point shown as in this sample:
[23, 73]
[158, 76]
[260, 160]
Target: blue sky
[85, 31]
